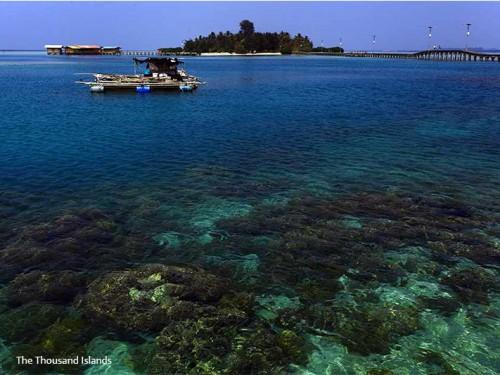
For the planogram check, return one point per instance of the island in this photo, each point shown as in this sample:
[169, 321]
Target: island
[247, 41]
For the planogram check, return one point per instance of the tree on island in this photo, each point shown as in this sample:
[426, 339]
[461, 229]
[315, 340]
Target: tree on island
[247, 28]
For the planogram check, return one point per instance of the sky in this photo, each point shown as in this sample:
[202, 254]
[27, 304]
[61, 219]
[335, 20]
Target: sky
[150, 25]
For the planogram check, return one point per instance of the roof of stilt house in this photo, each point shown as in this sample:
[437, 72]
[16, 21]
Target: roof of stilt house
[82, 46]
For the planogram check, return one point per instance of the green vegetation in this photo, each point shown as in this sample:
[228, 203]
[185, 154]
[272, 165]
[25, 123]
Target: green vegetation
[170, 50]
[247, 40]
[328, 49]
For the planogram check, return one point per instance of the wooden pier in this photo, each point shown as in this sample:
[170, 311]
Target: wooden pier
[157, 53]
[437, 54]
[140, 52]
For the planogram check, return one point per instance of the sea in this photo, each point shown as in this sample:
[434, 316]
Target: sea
[292, 215]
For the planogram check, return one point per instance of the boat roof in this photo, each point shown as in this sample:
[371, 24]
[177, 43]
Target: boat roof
[160, 60]
[53, 46]
[160, 64]
[111, 47]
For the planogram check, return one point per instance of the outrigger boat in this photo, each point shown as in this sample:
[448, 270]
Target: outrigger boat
[160, 74]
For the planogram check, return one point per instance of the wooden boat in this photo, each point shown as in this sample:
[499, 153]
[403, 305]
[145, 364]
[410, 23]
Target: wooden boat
[160, 74]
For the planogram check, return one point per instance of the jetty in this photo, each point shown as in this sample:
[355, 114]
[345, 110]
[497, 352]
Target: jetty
[140, 52]
[434, 54]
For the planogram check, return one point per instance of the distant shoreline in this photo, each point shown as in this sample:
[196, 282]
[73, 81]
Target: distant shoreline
[222, 54]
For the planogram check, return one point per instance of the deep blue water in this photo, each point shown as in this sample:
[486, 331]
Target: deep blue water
[340, 120]
[260, 130]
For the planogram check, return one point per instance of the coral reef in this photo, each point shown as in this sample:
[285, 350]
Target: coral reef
[26, 322]
[65, 338]
[266, 286]
[201, 325]
[219, 345]
[148, 297]
[373, 239]
[55, 287]
[366, 326]
[312, 239]
[472, 284]
[85, 239]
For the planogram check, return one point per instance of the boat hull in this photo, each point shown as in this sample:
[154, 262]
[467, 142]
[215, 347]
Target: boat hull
[121, 86]
[141, 83]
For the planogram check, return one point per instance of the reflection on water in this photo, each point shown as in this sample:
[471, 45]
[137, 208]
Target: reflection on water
[295, 215]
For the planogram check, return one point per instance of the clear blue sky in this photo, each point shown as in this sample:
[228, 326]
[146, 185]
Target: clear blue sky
[137, 25]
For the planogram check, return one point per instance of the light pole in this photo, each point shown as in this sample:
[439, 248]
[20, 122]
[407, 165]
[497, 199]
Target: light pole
[340, 42]
[373, 42]
[430, 36]
[467, 36]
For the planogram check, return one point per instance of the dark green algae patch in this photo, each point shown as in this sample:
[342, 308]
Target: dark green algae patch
[362, 272]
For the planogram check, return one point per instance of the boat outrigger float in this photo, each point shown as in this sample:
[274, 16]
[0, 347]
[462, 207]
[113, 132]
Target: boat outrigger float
[160, 74]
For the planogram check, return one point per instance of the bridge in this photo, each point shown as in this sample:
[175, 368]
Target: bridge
[435, 54]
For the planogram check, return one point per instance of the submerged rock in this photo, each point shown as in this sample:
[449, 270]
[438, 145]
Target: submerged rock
[312, 245]
[208, 347]
[148, 297]
[201, 325]
[84, 239]
[472, 284]
[366, 324]
[26, 322]
[65, 338]
[55, 287]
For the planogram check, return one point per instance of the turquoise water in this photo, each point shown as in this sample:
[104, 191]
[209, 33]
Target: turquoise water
[318, 215]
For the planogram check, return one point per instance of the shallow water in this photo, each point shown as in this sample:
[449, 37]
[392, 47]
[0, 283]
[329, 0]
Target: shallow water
[280, 176]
